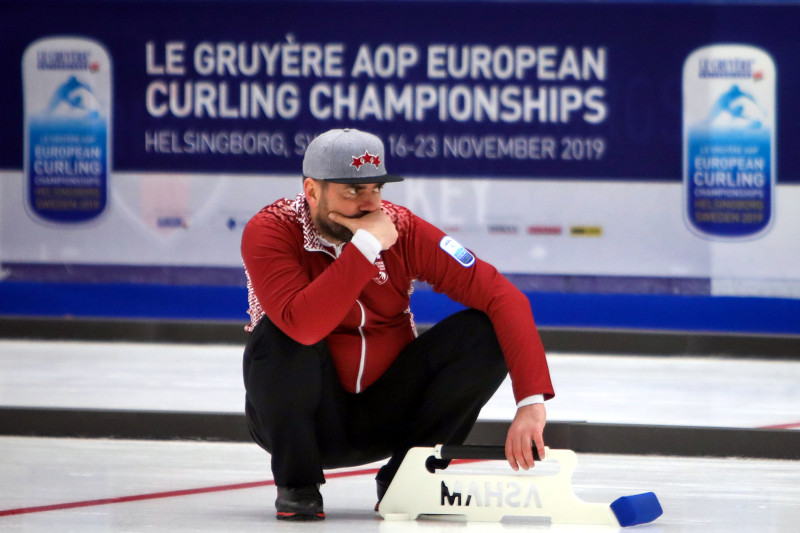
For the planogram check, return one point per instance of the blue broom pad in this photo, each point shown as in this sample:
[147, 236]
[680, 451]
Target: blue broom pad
[636, 509]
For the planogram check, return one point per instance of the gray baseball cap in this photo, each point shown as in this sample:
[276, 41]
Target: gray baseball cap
[347, 156]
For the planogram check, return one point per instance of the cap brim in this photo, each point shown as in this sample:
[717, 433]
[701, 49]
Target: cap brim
[386, 178]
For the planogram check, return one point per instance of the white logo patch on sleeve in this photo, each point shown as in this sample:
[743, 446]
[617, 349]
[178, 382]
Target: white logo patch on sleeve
[459, 253]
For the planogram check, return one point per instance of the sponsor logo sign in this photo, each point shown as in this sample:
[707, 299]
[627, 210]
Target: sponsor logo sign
[729, 141]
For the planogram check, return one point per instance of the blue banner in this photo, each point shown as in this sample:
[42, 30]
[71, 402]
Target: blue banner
[517, 90]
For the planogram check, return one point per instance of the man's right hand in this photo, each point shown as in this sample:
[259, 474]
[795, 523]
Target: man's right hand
[377, 223]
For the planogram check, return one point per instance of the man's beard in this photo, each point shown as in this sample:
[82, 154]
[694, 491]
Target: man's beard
[333, 231]
[330, 230]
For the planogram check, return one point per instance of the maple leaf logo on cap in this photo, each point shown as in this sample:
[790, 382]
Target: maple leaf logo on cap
[366, 159]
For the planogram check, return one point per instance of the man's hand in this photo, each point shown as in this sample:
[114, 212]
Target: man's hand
[526, 428]
[377, 223]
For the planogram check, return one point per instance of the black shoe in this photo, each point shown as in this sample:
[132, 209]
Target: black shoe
[299, 503]
[382, 487]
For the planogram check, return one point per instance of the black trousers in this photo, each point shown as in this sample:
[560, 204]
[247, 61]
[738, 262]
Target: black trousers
[432, 394]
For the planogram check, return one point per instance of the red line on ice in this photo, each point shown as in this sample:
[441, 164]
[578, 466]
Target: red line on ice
[185, 492]
[791, 425]
[167, 494]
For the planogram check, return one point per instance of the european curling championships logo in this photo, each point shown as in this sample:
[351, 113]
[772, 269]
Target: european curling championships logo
[67, 105]
[729, 142]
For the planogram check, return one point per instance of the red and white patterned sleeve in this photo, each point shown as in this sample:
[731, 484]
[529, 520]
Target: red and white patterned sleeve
[306, 310]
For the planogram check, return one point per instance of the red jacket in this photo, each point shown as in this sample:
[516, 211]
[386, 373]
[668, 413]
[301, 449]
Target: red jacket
[362, 309]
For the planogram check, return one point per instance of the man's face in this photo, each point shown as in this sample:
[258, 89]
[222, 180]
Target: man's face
[352, 201]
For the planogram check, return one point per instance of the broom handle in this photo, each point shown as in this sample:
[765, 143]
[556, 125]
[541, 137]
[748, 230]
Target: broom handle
[473, 451]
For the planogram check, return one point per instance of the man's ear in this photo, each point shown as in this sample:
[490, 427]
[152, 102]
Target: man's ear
[312, 189]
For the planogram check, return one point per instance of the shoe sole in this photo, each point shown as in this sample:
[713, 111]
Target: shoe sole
[299, 517]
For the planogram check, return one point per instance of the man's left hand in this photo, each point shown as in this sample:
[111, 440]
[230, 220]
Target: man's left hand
[526, 430]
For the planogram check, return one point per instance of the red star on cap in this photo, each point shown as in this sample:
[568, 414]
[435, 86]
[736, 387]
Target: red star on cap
[367, 158]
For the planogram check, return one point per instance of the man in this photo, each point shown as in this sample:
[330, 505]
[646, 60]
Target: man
[334, 371]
